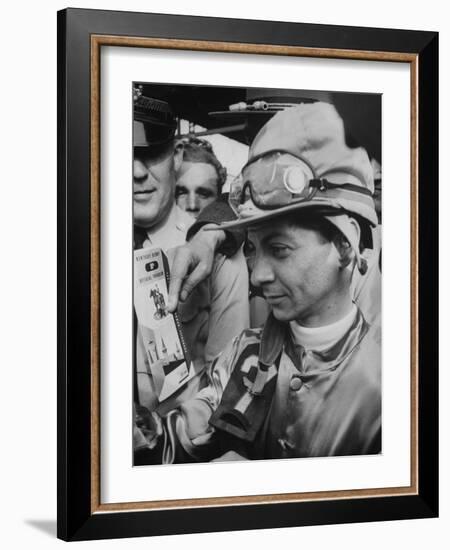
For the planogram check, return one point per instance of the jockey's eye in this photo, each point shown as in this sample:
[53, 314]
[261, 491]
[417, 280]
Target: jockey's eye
[249, 249]
[279, 251]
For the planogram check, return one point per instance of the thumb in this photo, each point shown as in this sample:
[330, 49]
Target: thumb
[180, 265]
[192, 280]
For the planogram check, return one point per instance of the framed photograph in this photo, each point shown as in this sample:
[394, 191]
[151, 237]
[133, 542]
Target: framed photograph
[247, 285]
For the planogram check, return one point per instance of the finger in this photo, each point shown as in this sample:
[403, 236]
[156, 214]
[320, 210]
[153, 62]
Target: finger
[180, 268]
[174, 293]
[196, 277]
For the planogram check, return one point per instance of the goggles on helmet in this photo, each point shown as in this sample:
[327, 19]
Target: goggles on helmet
[278, 178]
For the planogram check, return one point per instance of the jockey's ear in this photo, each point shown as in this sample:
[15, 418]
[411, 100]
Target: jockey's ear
[345, 244]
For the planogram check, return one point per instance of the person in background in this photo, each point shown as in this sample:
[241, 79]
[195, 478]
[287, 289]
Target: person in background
[200, 177]
[218, 308]
[199, 183]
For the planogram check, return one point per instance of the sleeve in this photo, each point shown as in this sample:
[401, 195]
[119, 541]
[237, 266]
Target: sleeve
[217, 212]
[184, 435]
[229, 294]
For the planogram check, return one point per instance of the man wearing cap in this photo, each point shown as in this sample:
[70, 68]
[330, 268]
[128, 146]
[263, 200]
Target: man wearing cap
[217, 310]
[193, 260]
[308, 382]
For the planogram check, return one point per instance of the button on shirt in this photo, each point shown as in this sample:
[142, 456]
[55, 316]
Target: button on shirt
[296, 383]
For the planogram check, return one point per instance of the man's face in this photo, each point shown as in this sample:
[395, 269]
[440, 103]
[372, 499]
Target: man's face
[298, 271]
[153, 186]
[196, 186]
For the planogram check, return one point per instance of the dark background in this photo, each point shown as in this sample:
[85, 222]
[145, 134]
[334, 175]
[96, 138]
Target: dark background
[208, 107]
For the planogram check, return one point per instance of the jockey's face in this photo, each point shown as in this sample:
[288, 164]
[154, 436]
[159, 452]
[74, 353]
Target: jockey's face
[299, 271]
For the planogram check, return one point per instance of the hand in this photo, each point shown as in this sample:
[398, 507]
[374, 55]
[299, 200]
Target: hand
[147, 428]
[191, 263]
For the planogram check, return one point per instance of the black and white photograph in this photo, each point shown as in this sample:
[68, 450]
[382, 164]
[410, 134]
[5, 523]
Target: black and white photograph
[257, 273]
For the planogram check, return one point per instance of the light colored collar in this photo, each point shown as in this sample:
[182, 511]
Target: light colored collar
[322, 338]
[172, 232]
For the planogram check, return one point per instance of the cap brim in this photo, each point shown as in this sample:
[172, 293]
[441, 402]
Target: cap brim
[325, 207]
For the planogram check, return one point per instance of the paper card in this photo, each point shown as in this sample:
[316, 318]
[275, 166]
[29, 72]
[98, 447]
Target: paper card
[160, 330]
